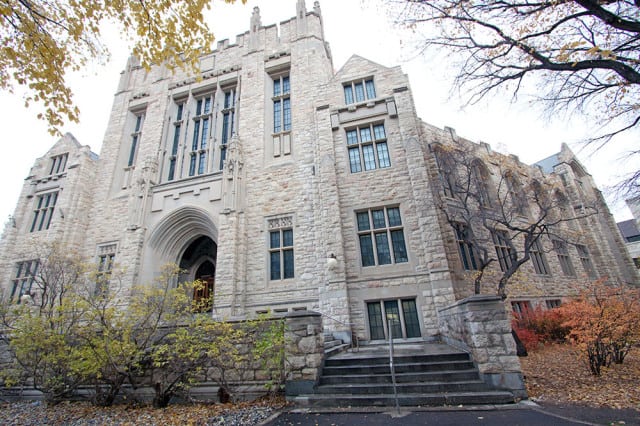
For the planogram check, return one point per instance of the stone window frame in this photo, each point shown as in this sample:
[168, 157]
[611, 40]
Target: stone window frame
[552, 303]
[44, 207]
[396, 250]
[585, 259]
[466, 249]
[538, 259]
[58, 164]
[173, 172]
[359, 139]
[279, 92]
[516, 192]
[25, 276]
[105, 260]
[228, 117]
[281, 226]
[482, 177]
[199, 138]
[521, 308]
[136, 135]
[403, 317]
[500, 240]
[445, 174]
[359, 90]
[562, 252]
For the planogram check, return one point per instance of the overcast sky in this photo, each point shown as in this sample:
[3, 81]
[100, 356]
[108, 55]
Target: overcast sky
[518, 129]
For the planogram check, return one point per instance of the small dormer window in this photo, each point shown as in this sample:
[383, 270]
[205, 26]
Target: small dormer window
[359, 91]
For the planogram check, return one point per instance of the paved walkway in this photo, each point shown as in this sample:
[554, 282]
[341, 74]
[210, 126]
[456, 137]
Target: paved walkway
[524, 413]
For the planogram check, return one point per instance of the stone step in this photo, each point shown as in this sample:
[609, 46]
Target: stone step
[336, 349]
[364, 368]
[331, 343]
[412, 376]
[404, 388]
[412, 400]
[362, 358]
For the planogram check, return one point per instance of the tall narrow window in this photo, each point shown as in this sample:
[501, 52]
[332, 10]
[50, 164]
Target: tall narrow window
[228, 116]
[135, 139]
[25, 277]
[58, 164]
[521, 309]
[446, 171]
[281, 254]
[585, 259]
[482, 182]
[199, 142]
[516, 193]
[177, 129]
[503, 249]
[281, 104]
[465, 247]
[106, 257]
[359, 91]
[562, 252]
[381, 237]
[367, 147]
[43, 212]
[538, 259]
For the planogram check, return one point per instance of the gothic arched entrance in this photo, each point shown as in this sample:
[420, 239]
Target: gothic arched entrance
[199, 263]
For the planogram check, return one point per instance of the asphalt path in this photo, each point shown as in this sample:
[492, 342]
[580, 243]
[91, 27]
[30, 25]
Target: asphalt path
[523, 415]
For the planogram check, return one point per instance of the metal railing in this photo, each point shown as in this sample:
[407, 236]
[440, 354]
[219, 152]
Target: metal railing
[354, 337]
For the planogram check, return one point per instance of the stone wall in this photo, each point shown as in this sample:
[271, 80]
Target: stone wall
[479, 324]
[303, 359]
[304, 351]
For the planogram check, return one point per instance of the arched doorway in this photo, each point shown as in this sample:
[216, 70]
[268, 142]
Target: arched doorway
[199, 263]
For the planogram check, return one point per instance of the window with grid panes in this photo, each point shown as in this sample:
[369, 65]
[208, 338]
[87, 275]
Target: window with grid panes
[135, 139]
[175, 143]
[281, 104]
[24, 279]
[58, 164]
[281, 254]
[521, 309]
[228, 116]
[445, 165]
[106, 258]
[198, 154]
[465, 247]
[43, 212]
[367, 147]
[503, 248]
[381, 237]
[585, 259]
[562, 252]
[359, 91]
[538, 259]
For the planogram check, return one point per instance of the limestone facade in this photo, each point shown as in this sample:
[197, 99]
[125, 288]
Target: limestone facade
[287, 187]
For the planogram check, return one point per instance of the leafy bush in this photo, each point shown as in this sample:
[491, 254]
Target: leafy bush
[540, 326]
[605, 323]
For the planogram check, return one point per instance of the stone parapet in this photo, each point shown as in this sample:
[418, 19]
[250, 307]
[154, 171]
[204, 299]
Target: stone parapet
[479, 324]
[303, 351]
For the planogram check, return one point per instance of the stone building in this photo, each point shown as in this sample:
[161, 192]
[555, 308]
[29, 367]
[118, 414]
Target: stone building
[630, 230]
[287, 186]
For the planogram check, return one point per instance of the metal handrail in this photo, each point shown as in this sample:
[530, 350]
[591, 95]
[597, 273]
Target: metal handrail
[354, 337]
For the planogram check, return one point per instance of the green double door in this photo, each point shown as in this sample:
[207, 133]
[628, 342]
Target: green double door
[399, 316]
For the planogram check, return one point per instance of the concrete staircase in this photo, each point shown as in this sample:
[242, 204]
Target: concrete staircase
[430, 374]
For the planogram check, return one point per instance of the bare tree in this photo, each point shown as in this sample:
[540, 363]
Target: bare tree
[582, 53]
[503, 223]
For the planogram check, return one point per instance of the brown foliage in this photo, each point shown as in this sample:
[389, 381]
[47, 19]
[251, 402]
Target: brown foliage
[604, 322]
[558, 374]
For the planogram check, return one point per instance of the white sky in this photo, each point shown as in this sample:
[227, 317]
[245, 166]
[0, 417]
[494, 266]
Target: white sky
[510, 128]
